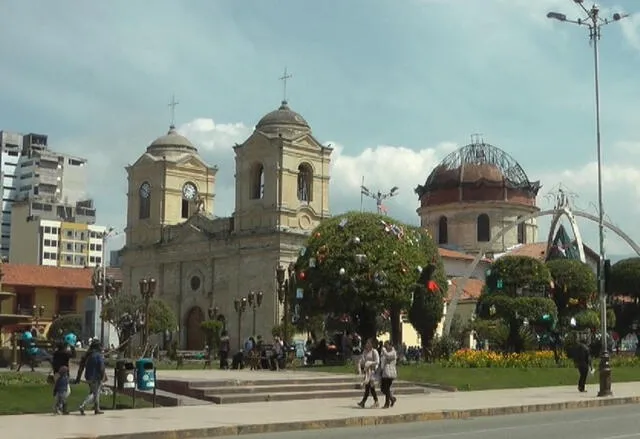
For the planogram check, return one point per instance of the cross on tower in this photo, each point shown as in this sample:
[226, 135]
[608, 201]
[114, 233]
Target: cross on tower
[284, 79]
[173, 104]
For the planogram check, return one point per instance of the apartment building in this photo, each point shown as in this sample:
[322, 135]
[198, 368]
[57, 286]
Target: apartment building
[55, 234]
[54, 187]
[51, 176]
[10, 149]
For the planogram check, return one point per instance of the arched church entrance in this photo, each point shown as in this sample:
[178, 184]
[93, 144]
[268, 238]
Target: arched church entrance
[195, 336]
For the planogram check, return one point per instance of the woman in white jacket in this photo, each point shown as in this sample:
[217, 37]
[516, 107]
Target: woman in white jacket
[389, 373]
[369, 363]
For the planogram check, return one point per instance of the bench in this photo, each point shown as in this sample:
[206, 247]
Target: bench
[192, 357]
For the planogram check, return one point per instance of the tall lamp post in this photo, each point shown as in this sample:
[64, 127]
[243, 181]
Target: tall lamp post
[240, 305]
[38, 312]
[147, 290]
[594, 22]
[286, 279]
[255, 302]
[99, 279]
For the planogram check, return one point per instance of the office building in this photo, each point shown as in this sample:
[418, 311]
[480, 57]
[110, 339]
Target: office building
[55, 234]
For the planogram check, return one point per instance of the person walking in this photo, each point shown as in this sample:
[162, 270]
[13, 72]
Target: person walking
[582, 361]
[225, 347]
[61, 391]
[369, 364]
[388, 362]
[95, 373]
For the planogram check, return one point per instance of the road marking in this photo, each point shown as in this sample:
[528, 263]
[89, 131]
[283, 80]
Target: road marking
[547, 424]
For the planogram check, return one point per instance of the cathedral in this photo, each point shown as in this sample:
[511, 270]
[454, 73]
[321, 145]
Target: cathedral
[203, 262]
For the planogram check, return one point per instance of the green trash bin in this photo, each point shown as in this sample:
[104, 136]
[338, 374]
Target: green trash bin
[146, 372]
[125, 374]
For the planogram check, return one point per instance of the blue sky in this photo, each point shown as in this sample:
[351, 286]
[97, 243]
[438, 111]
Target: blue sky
[394, 84]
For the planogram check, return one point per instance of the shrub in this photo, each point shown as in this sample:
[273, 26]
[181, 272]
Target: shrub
[467, 358]
[21, 379]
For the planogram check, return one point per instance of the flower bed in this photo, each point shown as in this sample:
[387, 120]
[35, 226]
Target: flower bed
[467, 358]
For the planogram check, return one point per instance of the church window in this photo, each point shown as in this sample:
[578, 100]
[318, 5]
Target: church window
[305, 182]
[185, 209]
[144, 199]
[443, 230]
[195, 283]
[483, 227]
[522, 232]
[257, 182]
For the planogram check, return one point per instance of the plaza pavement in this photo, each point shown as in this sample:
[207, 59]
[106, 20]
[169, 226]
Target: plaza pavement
[199, 421]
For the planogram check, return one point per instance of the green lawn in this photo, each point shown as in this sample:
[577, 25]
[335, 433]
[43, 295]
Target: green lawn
[493, 378]
[28, 392]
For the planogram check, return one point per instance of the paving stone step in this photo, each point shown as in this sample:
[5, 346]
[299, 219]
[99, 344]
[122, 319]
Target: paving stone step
[299, 396]
[268, 382]
[286, 388]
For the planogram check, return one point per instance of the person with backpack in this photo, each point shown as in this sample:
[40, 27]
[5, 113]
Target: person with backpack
[95, 374]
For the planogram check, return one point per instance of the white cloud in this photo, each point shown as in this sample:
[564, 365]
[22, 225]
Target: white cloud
[386, 166]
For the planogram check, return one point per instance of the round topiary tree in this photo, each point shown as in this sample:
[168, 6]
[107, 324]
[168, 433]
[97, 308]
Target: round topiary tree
[574, 284]
[517, 291]
[625, 277]
[357, 266]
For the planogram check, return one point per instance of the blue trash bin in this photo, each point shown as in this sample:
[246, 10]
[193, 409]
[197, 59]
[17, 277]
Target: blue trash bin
[146, 374]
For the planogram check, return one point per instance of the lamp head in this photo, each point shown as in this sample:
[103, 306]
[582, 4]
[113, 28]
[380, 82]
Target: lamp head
[236, 304]
[259, 298]
[250, 297]
[557, 16]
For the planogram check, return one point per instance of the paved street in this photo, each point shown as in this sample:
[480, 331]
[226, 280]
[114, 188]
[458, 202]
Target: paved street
[600, 423]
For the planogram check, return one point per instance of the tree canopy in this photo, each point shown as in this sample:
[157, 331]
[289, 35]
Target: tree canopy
[625, 277]
[126, 311]
[363, 264]
[66, 324]
[517, 288]
[574, 283]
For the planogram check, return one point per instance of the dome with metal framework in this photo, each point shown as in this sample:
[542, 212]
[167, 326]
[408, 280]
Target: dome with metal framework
[477, 172]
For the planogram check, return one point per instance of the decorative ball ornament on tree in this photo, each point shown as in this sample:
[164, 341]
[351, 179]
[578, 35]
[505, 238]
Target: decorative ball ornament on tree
[366, 261]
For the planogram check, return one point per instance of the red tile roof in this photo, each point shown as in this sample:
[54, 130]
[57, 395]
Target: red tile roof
[538, 250]
[471, 291]
[54, 277]
[452, 254]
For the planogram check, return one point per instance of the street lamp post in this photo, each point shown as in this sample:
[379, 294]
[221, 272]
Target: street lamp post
[594, 22]
[286, 279]
[240, 305]
[38, 312]
[147, 290]
[255, 302]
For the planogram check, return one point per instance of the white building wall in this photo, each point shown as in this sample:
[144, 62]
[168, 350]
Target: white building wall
[10, 147]
[74, 180]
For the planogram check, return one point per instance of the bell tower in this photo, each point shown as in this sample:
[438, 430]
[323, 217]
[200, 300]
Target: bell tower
[168, 184]
[282, 175]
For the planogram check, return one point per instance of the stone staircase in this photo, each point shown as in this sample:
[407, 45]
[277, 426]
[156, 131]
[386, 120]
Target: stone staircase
[244, 391]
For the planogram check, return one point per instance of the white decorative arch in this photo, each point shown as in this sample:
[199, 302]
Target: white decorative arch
[574, 227]
[558, 212]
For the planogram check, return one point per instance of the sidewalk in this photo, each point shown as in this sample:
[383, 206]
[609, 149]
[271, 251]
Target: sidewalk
[219, 420]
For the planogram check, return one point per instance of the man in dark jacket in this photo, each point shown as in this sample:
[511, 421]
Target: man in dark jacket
[582, 360]
[62, 356]
[94, 369]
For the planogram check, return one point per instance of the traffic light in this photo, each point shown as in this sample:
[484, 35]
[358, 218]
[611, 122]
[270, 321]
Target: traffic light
[607, 277]
[499, 284]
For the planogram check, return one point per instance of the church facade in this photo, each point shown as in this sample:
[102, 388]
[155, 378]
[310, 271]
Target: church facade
[201, 261]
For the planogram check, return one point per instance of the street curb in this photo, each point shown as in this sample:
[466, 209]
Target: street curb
[367, 421]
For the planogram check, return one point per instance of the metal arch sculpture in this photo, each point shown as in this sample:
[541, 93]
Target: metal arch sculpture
[564, 210]
[451, 309]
